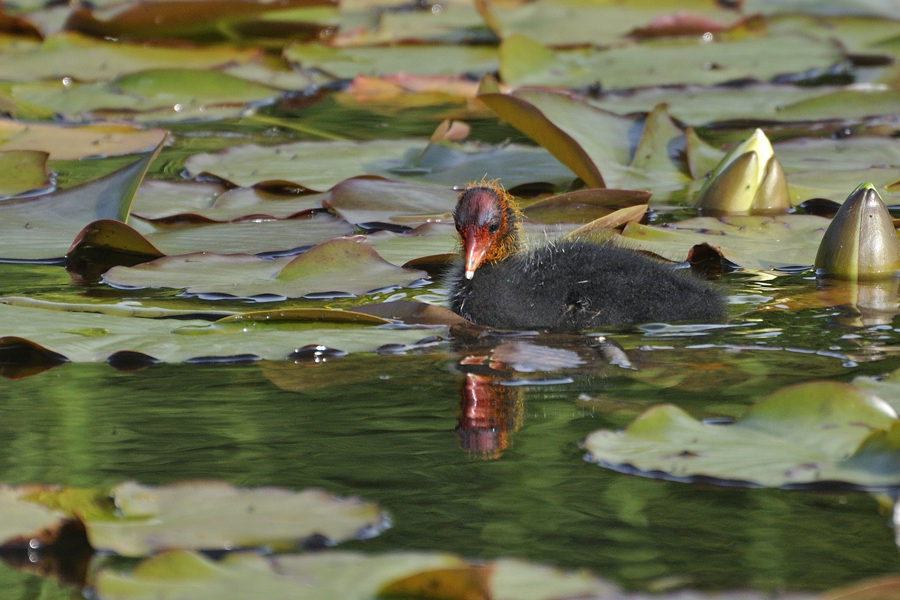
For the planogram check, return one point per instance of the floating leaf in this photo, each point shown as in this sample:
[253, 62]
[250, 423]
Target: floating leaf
[347, 63]
[23, 520]
[90, 336]
[216, 515]
[342, 265]
[661, 63]
[104, 244]
[86, 59]
[73, 143]
[379, 201]
[804, 435]
[351, 576]
[322, 165]
[753, 242]
[22, 171]
[44, 226]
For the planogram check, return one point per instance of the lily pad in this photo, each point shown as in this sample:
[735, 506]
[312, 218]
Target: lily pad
[44, 226]
[86, 59]
[23, 520]
[347, 265]
[753, 242]
[351, 576]
[218, 516]
[93, 337]
[690, 61]
[22, 171]
[813, 434]
[74, 143]
[379, 201]
[347, 63]
[322, 165]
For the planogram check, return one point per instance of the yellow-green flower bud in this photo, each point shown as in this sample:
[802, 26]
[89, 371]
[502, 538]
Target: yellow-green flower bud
[750, 179]
[861, 242]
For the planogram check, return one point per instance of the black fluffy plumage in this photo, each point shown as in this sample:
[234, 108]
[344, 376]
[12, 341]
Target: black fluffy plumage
[580, 285]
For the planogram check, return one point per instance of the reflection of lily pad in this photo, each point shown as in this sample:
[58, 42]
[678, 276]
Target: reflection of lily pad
[820, 432]
[340, 265]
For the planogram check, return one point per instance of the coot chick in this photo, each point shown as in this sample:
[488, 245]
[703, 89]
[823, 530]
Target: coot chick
[566, 285]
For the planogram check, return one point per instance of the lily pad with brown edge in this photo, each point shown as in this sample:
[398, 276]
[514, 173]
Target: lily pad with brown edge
[21, 358]
[572, 22]
[654, 63]
[752, 242]
[251, 236]
[807, 435]
[215, 515]
[125, 308]
[156, 20]
[412, 313]
[362, 200]
[348, 265]
[583, 205]
[157, 198]
[306, 314]
[338, 574]
[421, 59]
[84, 59]
[43, 227]
[63, 142]
[93, 334]
[615, 219]
[430, 239]
[322, 165]
[104, 244]
[23, 171]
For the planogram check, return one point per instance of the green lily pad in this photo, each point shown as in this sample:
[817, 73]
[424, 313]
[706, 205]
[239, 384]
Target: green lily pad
[803, 435]
[216, 515]
[22, 171]
[181, 91]
[87, 59]
[322, 165]
[379, 201]
[348, 265]
[23, 520]
[837, 184]
[753, 242]
[873, 8]
[44, 226]
[88, 335]
[887, 387]
[332, 574]
[688, 61]
[347, 63]
[370, 25]
[569, 22]
[156, 199]
[250, 237]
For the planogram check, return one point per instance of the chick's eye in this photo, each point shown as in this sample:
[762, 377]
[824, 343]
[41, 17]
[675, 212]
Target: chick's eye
[494, 227]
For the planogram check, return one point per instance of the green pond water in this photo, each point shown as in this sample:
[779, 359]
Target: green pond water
[393, 429]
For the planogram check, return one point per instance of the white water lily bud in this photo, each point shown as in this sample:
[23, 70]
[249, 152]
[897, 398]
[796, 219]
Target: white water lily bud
[861, 242]
[750, 179]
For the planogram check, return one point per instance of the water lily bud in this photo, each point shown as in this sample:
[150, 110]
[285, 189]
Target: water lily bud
[860, 242]
[750, 179]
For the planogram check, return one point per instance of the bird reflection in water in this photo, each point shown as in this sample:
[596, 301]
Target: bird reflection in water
[489, 414]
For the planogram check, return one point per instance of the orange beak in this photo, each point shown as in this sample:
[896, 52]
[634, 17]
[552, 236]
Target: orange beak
[476, 248]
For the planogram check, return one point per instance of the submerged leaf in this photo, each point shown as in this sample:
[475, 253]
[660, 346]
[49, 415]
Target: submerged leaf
[804, 435]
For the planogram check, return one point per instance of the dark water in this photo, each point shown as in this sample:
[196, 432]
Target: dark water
[390, 429]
